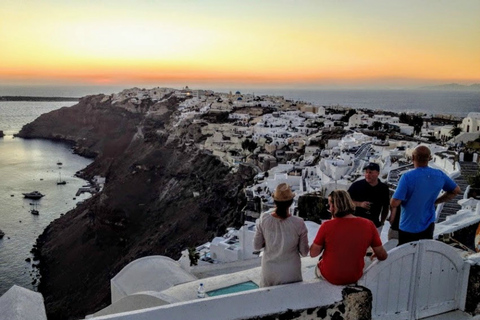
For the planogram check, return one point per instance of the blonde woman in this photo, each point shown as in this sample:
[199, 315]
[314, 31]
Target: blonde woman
[344, 241]
[284, 238]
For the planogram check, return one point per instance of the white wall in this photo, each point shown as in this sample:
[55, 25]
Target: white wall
[243, 305]
[245, 235]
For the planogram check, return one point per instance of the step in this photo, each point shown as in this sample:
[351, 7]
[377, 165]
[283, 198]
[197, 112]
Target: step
[452, 315]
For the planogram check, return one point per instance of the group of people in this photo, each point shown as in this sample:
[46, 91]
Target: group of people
[358, 216]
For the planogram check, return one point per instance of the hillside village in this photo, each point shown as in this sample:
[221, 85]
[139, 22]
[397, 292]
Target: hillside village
[315, 149]
[270, 130]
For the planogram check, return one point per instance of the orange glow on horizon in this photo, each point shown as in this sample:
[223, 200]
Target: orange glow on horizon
[270, 42]
[99, 78]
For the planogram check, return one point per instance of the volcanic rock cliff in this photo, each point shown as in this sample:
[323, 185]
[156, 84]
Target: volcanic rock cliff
[147, 206]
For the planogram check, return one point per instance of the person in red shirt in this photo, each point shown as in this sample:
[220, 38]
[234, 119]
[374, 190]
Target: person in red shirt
[344, 241]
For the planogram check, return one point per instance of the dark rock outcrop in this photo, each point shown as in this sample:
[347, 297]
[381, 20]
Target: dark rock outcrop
[147, 206]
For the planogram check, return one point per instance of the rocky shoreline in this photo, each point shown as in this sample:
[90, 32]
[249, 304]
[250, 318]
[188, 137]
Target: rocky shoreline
[147, 207]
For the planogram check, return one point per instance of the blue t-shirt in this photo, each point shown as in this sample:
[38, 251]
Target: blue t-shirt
[418, 189]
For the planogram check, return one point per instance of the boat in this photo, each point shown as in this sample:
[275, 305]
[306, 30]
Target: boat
[34, 210]
[60, 181]
[33, 195]
[59, 163]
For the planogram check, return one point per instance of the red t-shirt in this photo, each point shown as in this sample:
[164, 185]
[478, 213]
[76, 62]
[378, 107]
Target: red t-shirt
[345, 242]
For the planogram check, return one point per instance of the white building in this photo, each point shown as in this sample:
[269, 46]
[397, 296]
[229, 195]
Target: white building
[471, 123]
[357, 120]
[236, 245]
[385, 119]
[406, 129]
[443, 132]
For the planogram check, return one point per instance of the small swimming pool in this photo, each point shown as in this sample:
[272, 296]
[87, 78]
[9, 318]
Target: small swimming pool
[244, 286]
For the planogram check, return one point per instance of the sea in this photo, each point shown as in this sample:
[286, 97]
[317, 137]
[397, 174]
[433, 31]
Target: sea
[429, 102]
[27, 165]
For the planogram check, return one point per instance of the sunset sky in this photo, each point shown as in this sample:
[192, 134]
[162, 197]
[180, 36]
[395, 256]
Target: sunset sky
[250, 42]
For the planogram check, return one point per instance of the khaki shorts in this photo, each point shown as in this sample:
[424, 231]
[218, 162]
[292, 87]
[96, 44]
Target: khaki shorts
[392, 234]
[318, 274]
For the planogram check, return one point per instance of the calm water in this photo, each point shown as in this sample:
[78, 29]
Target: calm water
[27, 165]
[457, 103]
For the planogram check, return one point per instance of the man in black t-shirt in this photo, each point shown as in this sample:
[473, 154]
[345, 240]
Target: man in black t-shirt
[371, 196]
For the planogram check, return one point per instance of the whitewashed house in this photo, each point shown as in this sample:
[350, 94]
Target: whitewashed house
[406, 129]
[471, 124]
[443, 132]
[357, 119]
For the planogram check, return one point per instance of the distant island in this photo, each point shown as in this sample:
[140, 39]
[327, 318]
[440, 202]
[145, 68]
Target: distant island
[454, 86]
[26, 98]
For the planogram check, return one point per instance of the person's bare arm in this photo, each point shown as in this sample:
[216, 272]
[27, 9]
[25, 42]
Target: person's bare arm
[380, 253]
[315, 250]
[448, 195]
[394, 203]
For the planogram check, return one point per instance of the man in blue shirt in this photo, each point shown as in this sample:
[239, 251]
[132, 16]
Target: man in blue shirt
[417, 193]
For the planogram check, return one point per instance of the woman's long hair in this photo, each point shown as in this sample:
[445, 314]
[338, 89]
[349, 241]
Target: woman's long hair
[342, 203]
[282, 208]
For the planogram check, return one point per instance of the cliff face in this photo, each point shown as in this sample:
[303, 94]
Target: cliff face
[147, 206]
[94, 125]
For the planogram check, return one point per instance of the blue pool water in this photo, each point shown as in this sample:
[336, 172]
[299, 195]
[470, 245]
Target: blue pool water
[244, 286]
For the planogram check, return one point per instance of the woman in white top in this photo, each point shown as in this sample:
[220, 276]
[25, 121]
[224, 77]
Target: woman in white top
[284, 238]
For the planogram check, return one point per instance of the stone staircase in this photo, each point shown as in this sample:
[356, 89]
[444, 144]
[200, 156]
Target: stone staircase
[394, 174]
[451, 207]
